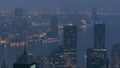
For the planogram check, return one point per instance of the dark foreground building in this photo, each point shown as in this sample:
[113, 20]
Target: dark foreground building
[97, 58]
[4, 65]
[25, 61]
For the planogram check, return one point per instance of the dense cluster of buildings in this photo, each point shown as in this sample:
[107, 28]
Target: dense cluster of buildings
[20, 32]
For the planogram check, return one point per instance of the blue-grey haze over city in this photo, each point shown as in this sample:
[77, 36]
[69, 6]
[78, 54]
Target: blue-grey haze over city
[38, 27]
[58, 3]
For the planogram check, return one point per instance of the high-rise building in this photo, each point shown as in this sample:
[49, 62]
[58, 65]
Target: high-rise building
[19, 27]
[65, 56]
[53, 27]
[19, 21]
[53, 32]
[97, 56]
[70, 43]
[25, 61]
[94, 13]
[99, 34]
[115, 56]
[70, 36]
[18, 12]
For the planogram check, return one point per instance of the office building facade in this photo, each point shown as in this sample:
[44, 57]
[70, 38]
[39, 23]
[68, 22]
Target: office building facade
[66, 55]
[97, 56]
[115, 56]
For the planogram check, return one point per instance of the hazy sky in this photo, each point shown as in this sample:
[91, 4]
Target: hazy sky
[56, 3]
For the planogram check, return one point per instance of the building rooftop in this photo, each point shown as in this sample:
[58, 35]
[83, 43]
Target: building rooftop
[4, 65]
[25, 59]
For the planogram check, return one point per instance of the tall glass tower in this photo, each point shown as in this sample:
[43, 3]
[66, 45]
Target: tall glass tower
[99, 34]
[97, 56]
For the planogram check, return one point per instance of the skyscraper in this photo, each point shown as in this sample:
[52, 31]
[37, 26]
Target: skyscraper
[53, 27]
[70, 43]
[97, 56]
[70, 36]
[19, 27]
[99, 34]
[18, 12]
[52, 33]
[94, 13]
[65, 56]
[115, 56]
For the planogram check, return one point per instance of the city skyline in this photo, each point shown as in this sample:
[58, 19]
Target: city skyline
[45, 34]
